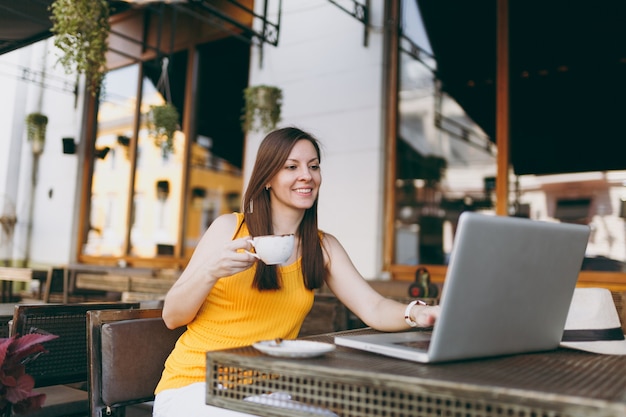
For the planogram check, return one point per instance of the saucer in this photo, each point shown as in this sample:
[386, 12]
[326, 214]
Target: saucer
[294, 348]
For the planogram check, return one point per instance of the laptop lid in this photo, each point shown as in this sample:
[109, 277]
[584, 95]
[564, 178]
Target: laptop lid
[507, 290]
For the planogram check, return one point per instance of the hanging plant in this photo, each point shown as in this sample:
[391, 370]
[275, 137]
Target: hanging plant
[81, 31]
[263, 104]
[162, 124]
[36, 124]
[8, 222]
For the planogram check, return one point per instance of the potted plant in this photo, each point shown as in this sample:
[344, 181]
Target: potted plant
[16, 386]
[263, 104]
[162, 124]
[36, 124]
[81, 31]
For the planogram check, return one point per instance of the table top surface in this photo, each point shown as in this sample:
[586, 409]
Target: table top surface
[577, 375]
[7, 309]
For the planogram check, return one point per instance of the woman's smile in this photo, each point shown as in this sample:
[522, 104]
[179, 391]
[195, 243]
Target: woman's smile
[304, 191]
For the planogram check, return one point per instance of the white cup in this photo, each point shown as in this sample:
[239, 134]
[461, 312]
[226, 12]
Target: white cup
[272, 249]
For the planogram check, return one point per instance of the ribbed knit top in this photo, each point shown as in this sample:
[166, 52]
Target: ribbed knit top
[235, 314]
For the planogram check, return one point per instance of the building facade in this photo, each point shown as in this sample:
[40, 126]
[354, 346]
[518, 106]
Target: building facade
[400, 161]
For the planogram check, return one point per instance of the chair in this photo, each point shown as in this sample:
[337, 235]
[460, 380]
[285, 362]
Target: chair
[127, 351]
[66, 361]
[9, 275]
[6, 315]
[60, 286]
[4, 326]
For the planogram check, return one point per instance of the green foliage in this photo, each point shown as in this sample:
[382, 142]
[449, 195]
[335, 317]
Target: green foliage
[163, 123]
[263, 105]
[81, 29]
[36, 124]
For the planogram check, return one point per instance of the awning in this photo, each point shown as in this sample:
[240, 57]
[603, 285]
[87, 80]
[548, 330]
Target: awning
[23, 22]
[567, 77]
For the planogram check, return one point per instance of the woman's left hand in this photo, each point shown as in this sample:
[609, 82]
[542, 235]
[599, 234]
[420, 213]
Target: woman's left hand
[425, 316]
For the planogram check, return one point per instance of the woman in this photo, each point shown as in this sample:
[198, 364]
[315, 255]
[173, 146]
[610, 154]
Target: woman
[229, 299]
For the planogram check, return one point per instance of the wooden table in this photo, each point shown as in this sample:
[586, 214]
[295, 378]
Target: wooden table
[347, 382]
[9, 275]
[99, 277]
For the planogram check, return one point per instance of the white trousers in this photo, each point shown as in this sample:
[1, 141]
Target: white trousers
[188, 401]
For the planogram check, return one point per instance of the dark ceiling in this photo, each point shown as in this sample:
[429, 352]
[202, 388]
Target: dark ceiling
[567, 77]
[567, 72]
[23, 22]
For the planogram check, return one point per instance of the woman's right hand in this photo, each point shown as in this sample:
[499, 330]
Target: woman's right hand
[231, 259]
[215, 257]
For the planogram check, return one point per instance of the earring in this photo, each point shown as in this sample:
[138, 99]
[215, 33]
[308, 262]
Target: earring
[267, 188]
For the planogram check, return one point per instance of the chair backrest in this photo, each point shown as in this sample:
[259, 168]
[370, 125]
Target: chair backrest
[127, 352]
[66, 360]
[4, 325]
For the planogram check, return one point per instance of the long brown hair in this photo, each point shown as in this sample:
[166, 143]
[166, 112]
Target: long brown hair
[271, 156]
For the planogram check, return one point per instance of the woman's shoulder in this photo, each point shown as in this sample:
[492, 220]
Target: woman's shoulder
[333, 250]
[227, 223]
[227, 219]
[328, 240]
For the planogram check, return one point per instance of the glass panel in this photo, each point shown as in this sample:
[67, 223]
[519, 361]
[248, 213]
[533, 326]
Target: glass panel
[215, 178]
[159, 171]
[112, 166]
[597, 199]
[445, 165]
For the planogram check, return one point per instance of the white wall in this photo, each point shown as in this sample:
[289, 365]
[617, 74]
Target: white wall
[10, 112]
[46, 89]
[332, 87]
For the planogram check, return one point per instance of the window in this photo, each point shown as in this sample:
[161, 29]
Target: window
[444, 160]
[152, 201]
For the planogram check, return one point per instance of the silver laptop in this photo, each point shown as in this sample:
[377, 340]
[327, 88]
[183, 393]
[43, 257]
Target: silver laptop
[508, 289]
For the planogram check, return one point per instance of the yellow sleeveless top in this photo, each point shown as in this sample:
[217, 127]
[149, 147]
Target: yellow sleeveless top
[233, 315]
